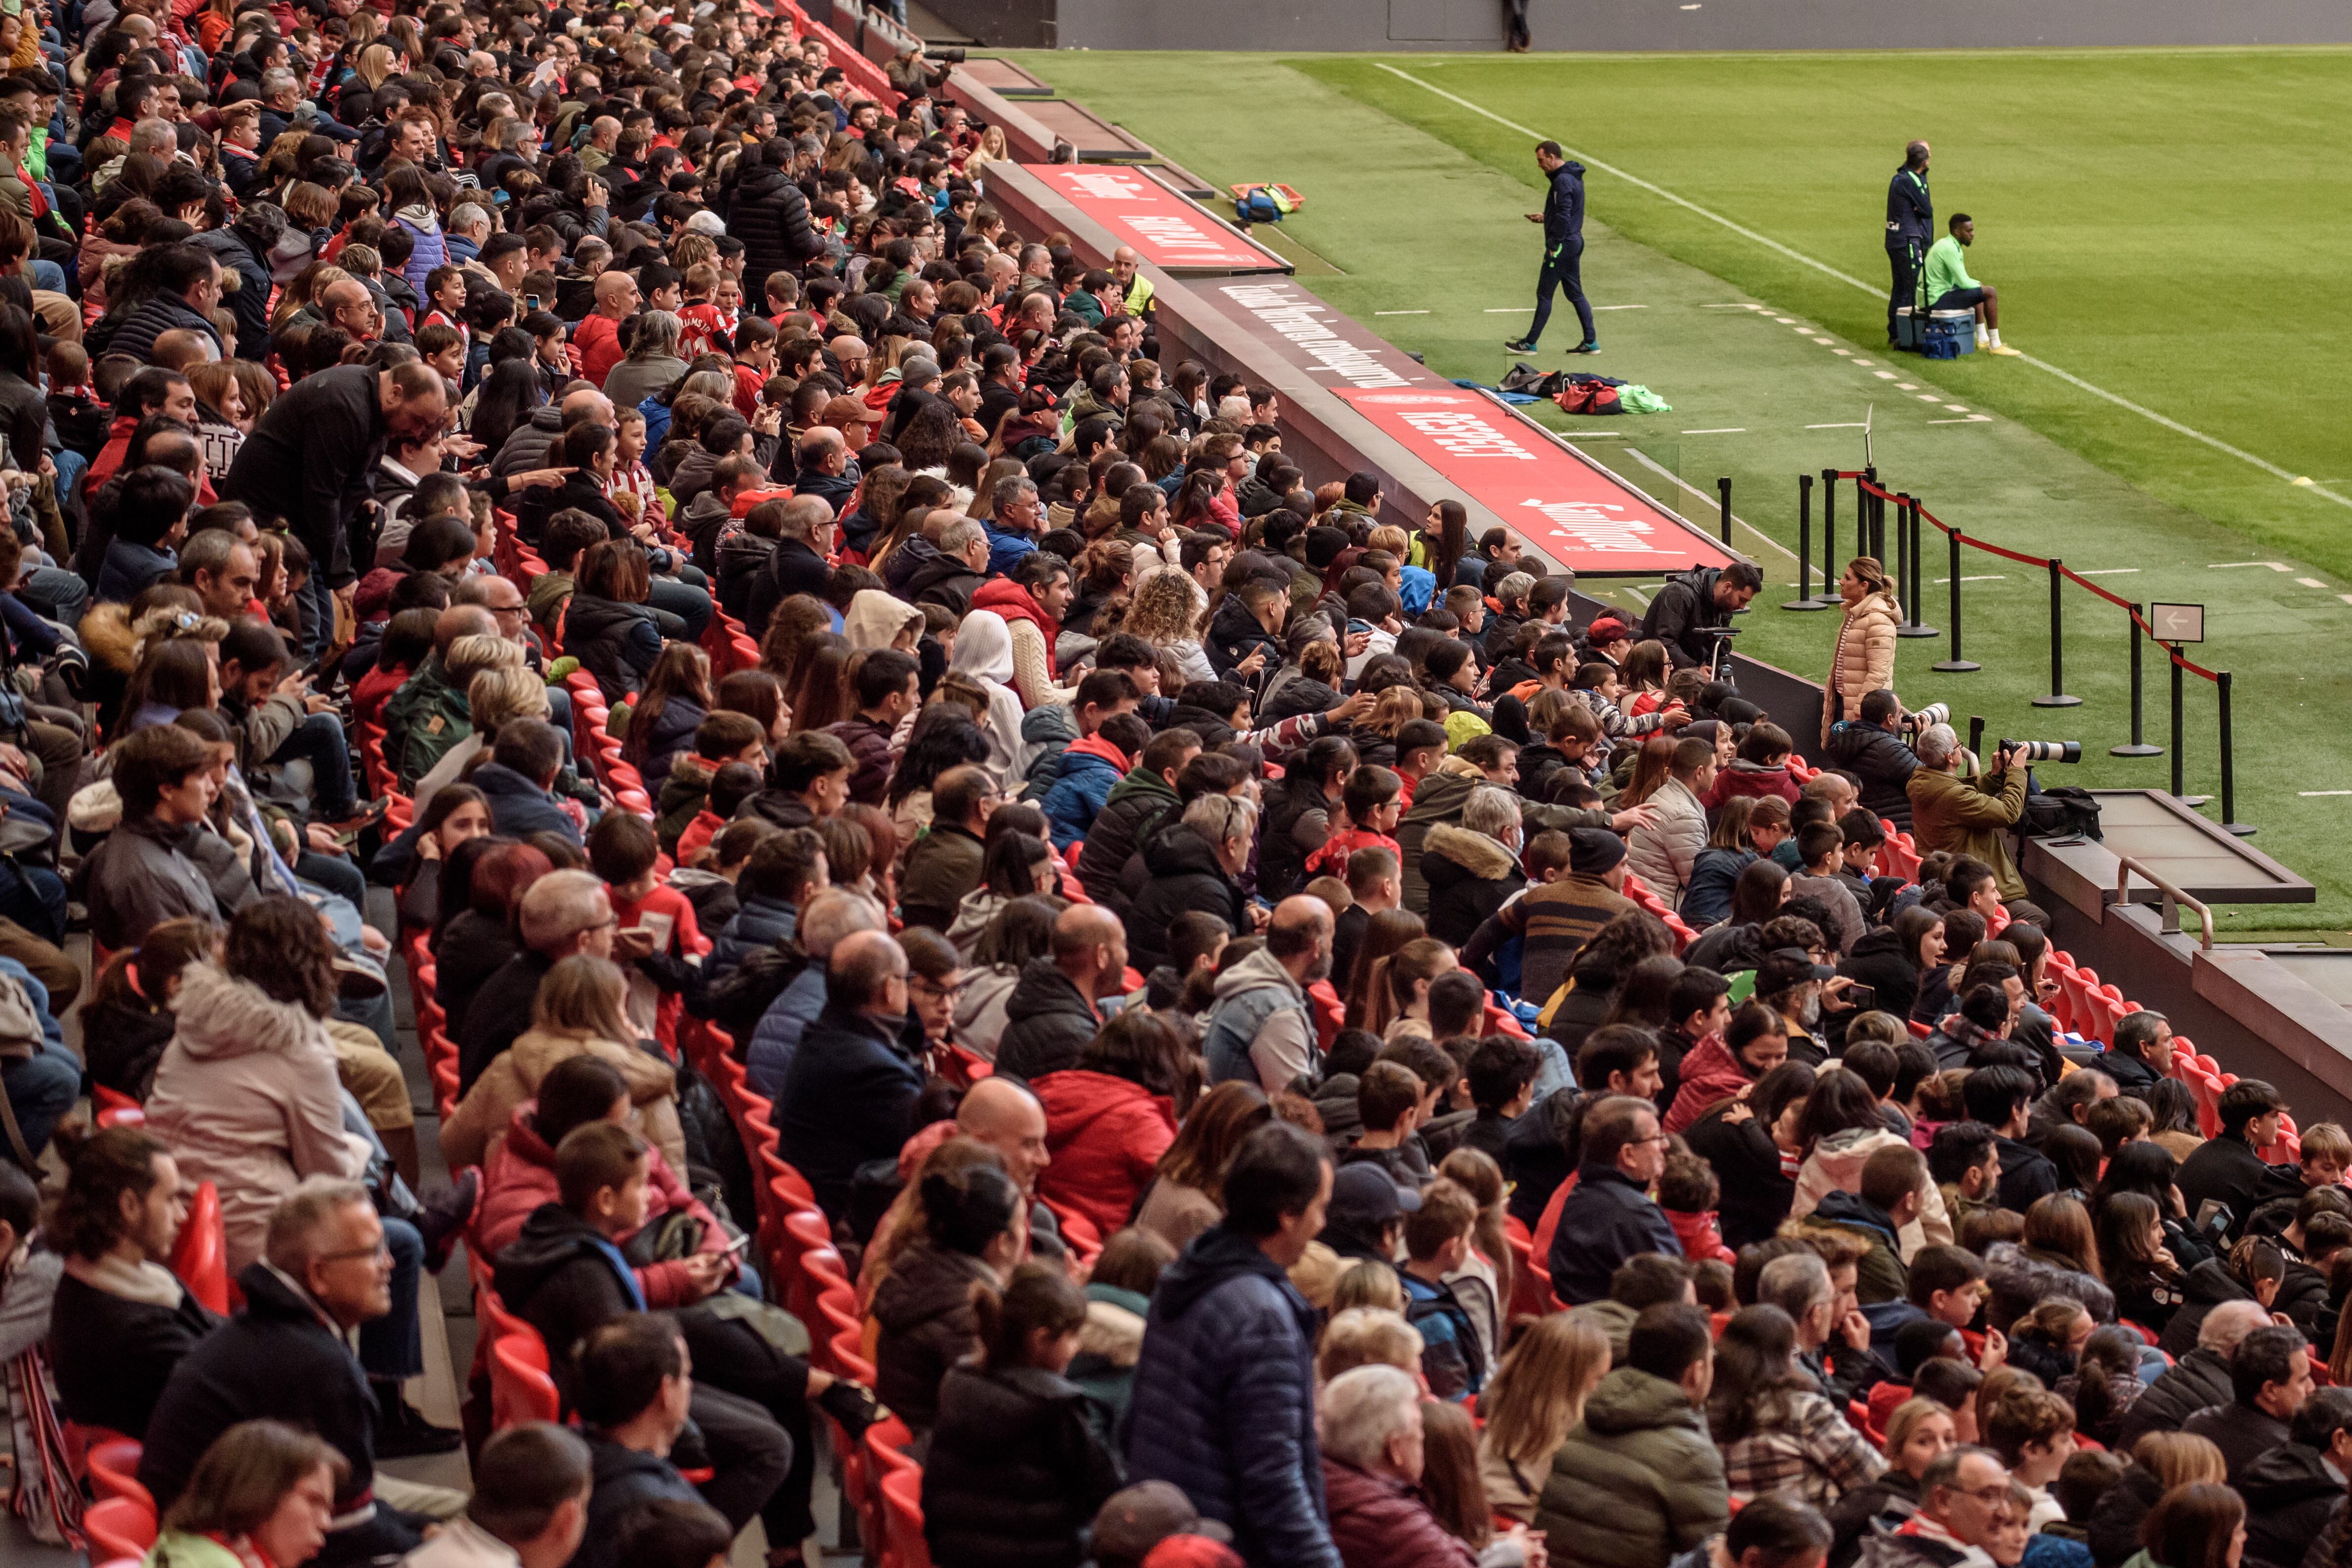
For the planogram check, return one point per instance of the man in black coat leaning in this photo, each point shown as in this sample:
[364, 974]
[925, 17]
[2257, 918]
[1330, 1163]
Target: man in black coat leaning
[1692, 602]
[1870, 747]
[2196, 1380]
[2270, 1375]
[1610, 1217]
[1910, 229]
[2226, 1168]
[1563, 224]
[312, 458]
[769, 214]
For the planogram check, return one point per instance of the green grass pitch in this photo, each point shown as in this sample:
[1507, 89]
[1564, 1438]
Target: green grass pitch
[2158, 224]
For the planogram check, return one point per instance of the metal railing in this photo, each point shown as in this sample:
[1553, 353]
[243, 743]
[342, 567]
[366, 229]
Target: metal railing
[2172, 899]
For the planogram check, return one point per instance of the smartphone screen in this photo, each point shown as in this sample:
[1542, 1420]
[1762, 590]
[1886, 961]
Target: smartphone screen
[530, 301]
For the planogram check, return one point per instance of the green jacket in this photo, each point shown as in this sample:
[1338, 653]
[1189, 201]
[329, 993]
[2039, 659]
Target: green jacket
[685, 794]
[1944, 271]
[422, 721]
[1638, 1481]
[1969, 816]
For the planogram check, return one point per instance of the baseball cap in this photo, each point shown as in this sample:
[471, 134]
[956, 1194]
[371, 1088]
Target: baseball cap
[1593, 851]
[844, 412]
[1785, 966]
[1364, 1197]
[1136, 1519]
[706, 222]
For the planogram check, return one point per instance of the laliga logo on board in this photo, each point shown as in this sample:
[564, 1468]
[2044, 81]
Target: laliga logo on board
[1107, 187]
[1589, 524]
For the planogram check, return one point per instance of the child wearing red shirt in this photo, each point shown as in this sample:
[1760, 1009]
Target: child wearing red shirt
[622, 851]
[1370, 804]
[713, 306]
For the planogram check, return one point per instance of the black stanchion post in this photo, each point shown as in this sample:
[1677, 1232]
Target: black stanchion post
[1829, 531]
[1866, 541]
[2056, 696]
[2230, 823]
[1956, 665]
[2178, 791]
[1976, 735]
[1806, 599]
[2139, 746]
[1723, 489]
[1914, 537]
[1902, 561]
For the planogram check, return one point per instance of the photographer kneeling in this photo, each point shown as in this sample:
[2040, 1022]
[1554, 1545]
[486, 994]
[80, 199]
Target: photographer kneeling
[1969, 816]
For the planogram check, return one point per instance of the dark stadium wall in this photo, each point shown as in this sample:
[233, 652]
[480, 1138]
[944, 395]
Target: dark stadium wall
[1388, 26]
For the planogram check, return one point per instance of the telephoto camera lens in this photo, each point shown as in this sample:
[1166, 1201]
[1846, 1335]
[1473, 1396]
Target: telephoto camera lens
[2046, 751]
[1928, 717]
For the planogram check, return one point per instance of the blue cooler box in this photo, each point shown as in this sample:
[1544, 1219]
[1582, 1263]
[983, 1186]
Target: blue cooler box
[1948, 335]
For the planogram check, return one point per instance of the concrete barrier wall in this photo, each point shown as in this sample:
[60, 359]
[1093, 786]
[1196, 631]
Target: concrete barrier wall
[1393, 25]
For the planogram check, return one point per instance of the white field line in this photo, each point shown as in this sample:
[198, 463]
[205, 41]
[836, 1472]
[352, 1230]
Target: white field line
[2069, 377]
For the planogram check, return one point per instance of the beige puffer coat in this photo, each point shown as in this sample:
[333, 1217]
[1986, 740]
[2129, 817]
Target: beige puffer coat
[1863, 660]
[247, 1099]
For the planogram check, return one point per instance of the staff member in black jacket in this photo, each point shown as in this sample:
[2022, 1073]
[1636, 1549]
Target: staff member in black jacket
[1910, 228]
[311, 460]
[1563, 224]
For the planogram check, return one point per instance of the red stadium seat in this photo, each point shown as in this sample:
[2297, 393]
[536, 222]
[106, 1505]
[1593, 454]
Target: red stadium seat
[116, 1110]
[902, 1506]
[520, 1388]
[119, 1527]
[114, 1472]
[200, 1258]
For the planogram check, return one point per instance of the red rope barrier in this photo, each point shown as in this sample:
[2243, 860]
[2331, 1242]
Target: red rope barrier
[1863, 483]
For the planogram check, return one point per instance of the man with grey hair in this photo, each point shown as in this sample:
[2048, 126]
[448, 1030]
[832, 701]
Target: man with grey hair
[830, 916]
[849, 1095]
[281, 97]
[946, 573]
[1833, 1336]
[326, 1270]
[224, 570]
[1369, 1424]
[1017, 517]
[798, 563]
[563, 913]
[469, 226]
[1968, 815]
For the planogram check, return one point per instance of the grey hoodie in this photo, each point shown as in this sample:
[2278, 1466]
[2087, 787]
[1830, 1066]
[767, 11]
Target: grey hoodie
[1260, 1026]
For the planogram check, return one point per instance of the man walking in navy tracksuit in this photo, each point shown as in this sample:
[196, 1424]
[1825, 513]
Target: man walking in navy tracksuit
[1910, 228]
[1563, 224]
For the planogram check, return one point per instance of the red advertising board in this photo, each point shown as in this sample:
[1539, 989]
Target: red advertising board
[1170, 231]
[1574, 510]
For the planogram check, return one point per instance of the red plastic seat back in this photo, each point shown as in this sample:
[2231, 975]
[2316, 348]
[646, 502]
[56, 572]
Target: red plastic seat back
[200, 1258]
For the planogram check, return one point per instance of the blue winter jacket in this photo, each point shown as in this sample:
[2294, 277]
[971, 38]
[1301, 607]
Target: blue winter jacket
[1224, 1404]
[1079, 793]
[760, 923]
[768, 1060]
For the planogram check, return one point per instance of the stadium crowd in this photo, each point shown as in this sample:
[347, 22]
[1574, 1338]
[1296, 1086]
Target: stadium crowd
[1308, 1054]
